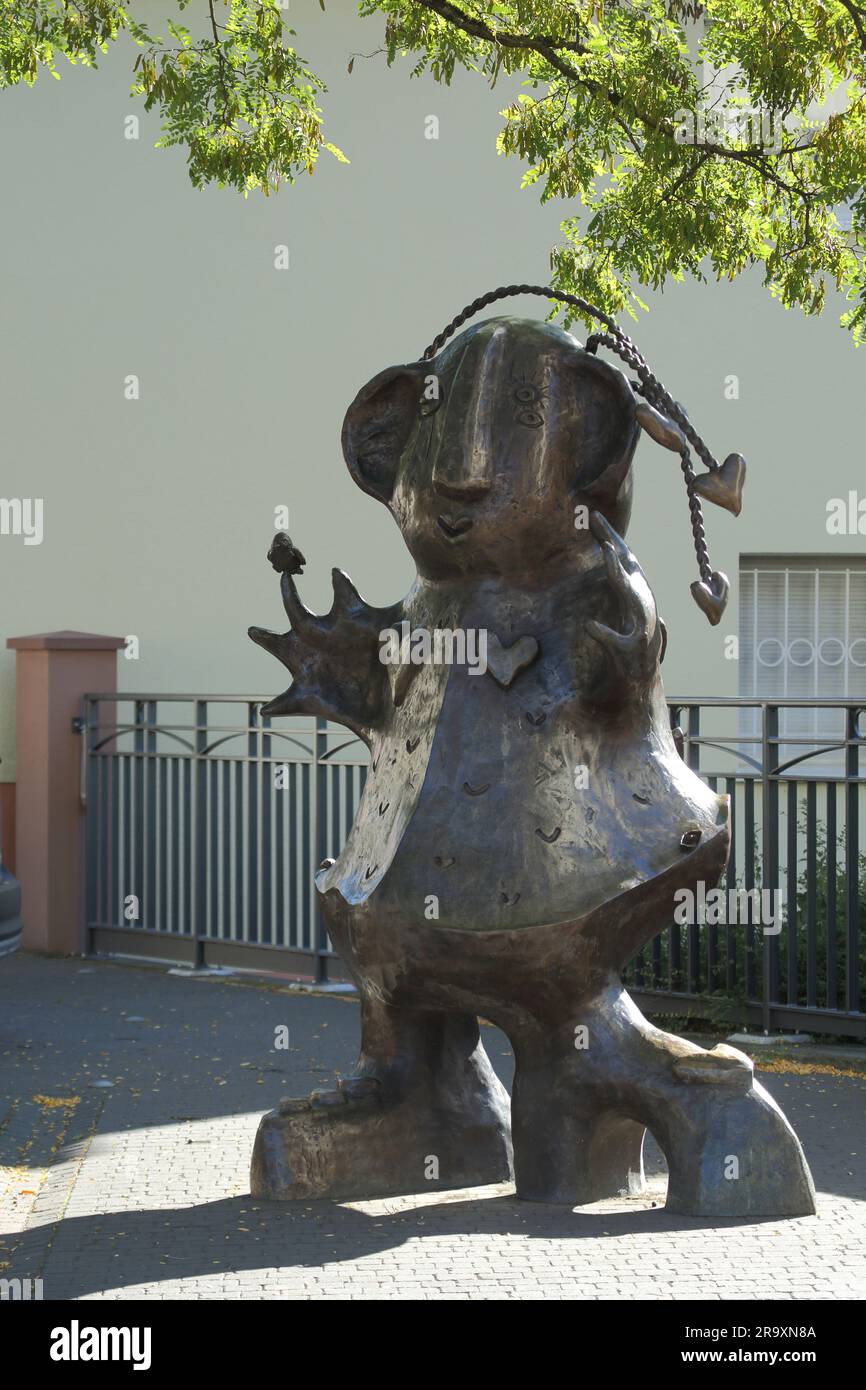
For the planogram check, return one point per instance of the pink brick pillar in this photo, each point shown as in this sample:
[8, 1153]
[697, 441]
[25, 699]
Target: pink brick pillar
[53, 671]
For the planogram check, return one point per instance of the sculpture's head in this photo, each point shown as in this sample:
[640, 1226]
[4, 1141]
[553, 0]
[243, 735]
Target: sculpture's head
[483, 452]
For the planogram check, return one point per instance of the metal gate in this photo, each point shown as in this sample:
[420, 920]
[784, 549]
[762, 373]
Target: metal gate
[205, 826]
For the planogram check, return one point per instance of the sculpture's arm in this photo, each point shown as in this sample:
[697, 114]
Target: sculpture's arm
[334, 658]
[635, 649]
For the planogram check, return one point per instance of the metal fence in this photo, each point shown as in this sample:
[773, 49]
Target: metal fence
[797, 785]
[205, 825]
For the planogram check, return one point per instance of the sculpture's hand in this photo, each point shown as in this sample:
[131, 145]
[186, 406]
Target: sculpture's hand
[639, 646]
[334, 659]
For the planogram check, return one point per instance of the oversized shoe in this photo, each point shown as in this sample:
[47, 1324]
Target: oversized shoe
[734, 1154]
[351, 1143]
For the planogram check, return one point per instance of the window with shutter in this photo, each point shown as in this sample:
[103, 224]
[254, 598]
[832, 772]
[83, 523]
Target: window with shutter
[803, 636]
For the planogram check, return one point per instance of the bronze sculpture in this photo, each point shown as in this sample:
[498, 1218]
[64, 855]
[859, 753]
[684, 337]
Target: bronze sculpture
[523, 829]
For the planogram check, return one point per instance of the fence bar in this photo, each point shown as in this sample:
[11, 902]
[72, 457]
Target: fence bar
[712, 930]
[693, 930]
[267, 793]
[812, 895]
[791, 881]
[750, 872]
[832, 999]
[320, 782]
[254, 770]
[201, 917]
[770, 835]
[852, 862]
[730, 883]
[91, 829]
[138, 843]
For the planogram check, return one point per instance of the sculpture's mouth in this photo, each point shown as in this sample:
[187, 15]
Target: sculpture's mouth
[454, 526]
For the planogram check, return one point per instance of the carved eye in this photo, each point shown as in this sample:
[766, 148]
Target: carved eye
[526, 395]
[530, 418]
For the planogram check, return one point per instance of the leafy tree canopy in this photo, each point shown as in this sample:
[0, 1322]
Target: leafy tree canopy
[689, 139]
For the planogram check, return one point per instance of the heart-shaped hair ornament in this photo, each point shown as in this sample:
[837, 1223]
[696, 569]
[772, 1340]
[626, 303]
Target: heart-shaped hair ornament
[663, 419]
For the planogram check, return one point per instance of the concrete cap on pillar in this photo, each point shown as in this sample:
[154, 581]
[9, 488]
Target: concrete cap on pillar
[66, 640]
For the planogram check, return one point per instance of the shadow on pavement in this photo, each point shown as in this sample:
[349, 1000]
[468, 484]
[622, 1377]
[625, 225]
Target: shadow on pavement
[239, 1234]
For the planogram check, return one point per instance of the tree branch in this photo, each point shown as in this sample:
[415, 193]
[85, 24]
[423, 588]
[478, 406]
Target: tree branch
[858, 18]
[477, 29]
[685, 176]
[220, 64]
[542, 44]
[546, 48]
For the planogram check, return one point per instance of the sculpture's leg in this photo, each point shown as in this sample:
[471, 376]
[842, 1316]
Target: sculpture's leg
[570, 1146]
[729, 1148]
[567, 1151]
[424, 1110]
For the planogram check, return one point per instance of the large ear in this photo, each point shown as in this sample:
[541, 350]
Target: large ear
[608, 429]
[378, 424]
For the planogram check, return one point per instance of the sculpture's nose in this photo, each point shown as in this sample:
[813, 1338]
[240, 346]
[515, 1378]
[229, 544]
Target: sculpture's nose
[468, 489]
[463, 466]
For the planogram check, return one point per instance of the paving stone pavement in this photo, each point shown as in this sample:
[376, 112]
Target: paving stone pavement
[129, 1099]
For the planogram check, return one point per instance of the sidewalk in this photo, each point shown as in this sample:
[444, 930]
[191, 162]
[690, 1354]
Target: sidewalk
[128, 1104]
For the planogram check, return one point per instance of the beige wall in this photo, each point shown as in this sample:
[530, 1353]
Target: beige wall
[158, 512]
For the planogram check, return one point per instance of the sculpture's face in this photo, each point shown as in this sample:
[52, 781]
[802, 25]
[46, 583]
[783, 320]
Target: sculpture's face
[483, 453]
